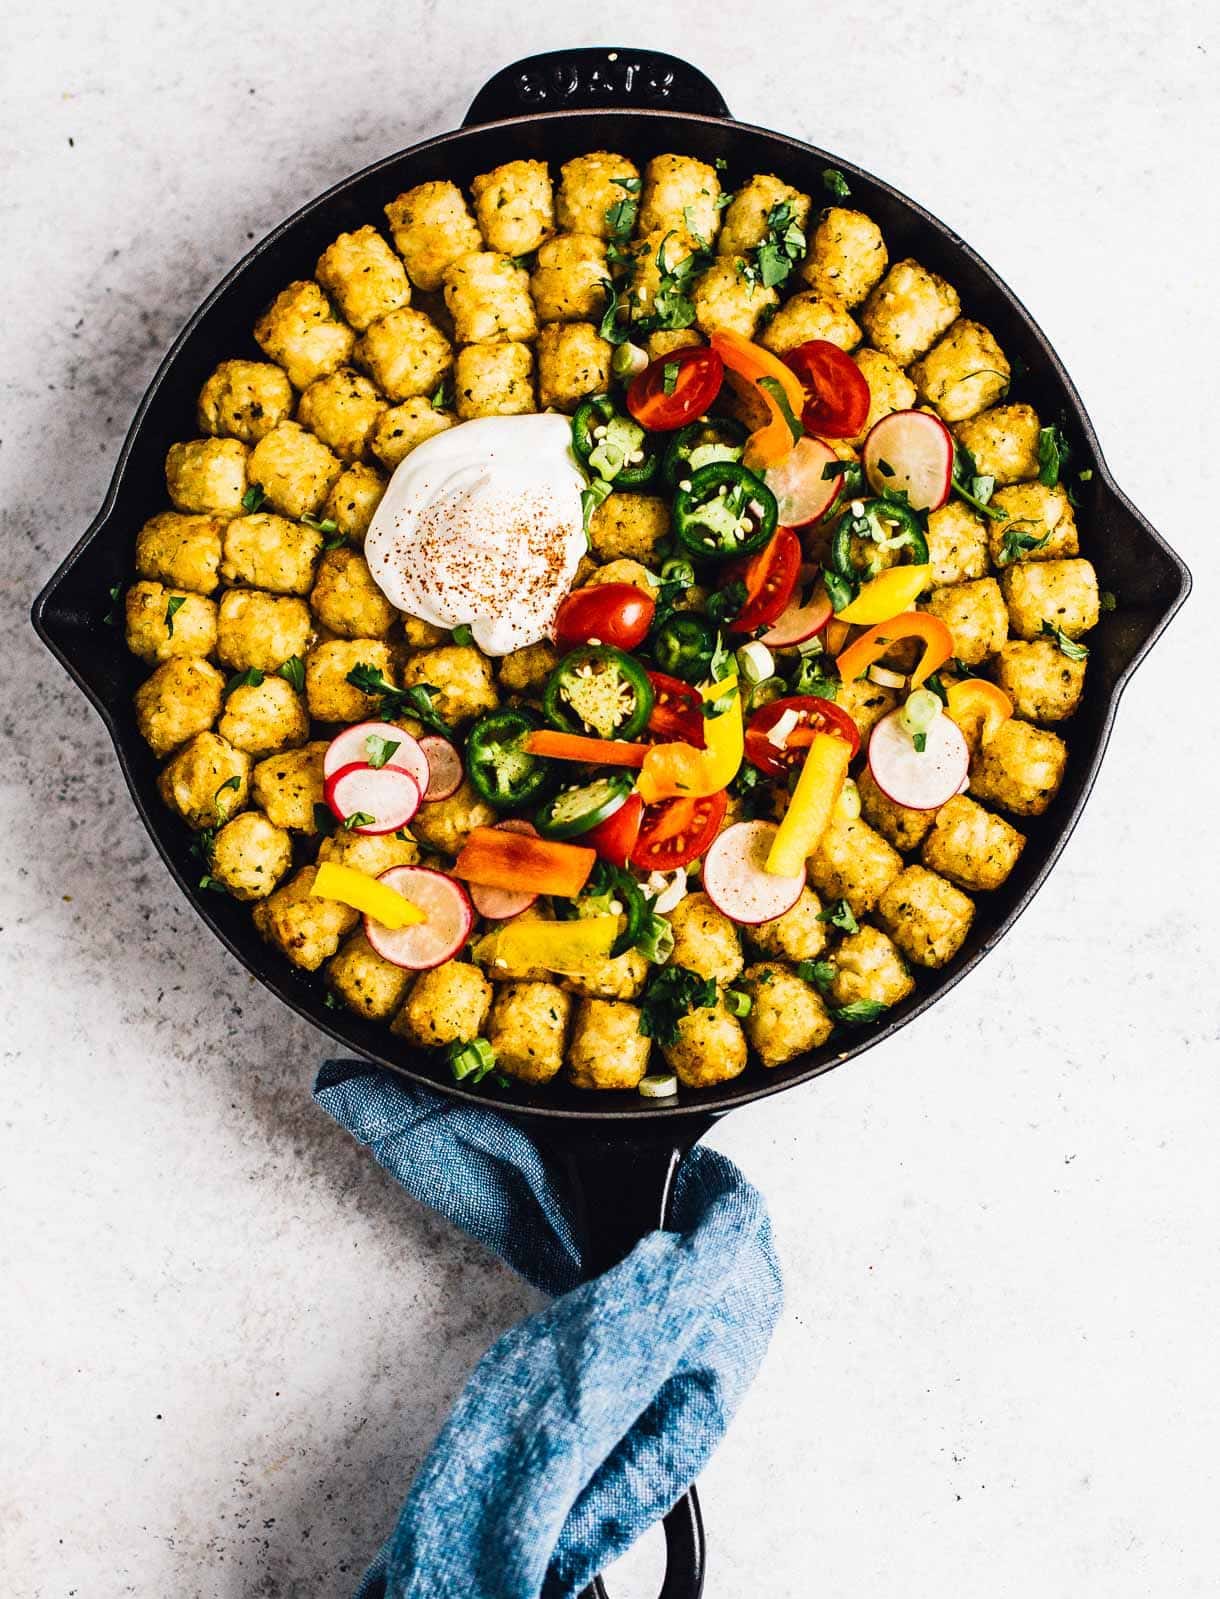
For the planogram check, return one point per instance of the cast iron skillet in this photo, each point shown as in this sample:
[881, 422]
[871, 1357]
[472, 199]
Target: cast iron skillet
[620, 1151]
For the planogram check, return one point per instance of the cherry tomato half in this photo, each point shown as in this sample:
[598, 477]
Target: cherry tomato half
[813, 715]
[677, 711]
[615, 838]
[769, 577]
[676, 389]
[677, 831]
[612, 613]
[837, 397]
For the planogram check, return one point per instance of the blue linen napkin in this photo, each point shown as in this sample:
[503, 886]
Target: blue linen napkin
[584, 1424]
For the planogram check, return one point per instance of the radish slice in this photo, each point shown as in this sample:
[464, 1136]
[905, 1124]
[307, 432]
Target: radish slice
[431, 942]
[499, 904]
[386, 793]
[919, 781]
[350, 748]
[444, 767]
[736, 880]
[918, 449]
[800, 622]
[801, 491]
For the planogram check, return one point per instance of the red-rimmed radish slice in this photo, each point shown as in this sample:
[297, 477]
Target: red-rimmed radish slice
[444, 767]
[736, 880]
[922, 780]
[350, 748]
[800, 490]
[386, 793]
[438, 938]
[918, 450]
[798, 621]
[499, 904]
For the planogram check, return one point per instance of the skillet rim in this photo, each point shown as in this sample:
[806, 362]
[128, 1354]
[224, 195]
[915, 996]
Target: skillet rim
[307, 1002]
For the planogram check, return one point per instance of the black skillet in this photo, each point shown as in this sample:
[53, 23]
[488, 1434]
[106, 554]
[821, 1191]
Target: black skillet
[620, 1151]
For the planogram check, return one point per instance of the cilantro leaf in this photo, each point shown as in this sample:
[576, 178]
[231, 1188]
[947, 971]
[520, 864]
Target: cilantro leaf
[839, 914]
[111, 618]
[669, 995]
[1072, 648]
[253, 497]
[1015, 543]
[293, 672]
[859, 1011]
[250, 678]
[379, 749]
[357, 819]
[835, 183]
[820, 973]
[174, 605]
[781, 248]
[1053, 454]
[775, 389]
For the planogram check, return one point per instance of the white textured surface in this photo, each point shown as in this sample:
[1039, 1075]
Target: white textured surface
[227, 1338]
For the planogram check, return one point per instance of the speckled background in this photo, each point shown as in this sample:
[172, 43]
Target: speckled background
[227, 1338]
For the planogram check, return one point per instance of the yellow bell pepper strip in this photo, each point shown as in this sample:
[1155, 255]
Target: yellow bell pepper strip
[364, 893]
[888, 595]
[498, 858]
[872, 645]
[567, 947]
[680, 770]
[811, 807]
[975, 696]
[746, 362]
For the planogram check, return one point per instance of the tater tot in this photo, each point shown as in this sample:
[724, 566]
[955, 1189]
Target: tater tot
[488, 297]
[573, 362]
[847, 255]
[245, 399]
[568, 280]
[299, 330]
[494, 380]
[588, 189]
[180, 550]
[180, 699]
[207, 475]
[363, 276]
[405, 354]
[607, 1049]
[270, 552]
[745, 224]
[294, 470]
[680, 192]
[514, 206]
[342, 410]
[908, 311]
[431, 226]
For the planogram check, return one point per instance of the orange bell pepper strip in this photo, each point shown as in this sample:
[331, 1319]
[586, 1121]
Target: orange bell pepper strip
[887, 595]
[975, 696]
[746, 362]
[347, 886]
[811, 807]
[499, 858]
[871, 646]
[681, 770]
[558, 746]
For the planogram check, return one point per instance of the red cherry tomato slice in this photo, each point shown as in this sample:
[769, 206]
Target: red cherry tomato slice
[813, 715]
[677, 831]
[615, 838]
[837, 397]
[677, 712]
[676, 389]
[612, 613]
[769, 577]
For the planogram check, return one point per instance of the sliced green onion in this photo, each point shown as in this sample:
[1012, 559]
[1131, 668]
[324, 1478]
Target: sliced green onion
[473, 1060]
[658, 1085]
[628, 361]
[920, 711]
[885, 678]
[737, 1003]
[849, 800]
[755, 661]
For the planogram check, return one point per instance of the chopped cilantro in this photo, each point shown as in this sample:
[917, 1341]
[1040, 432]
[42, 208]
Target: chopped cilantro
[859, 1011]
[173, 606]
[253, 497]
[379, 749]
[1072, 648]
[839, 915]
[250, 678]
[1053, 454]
[669, 995]
[835, 183]
[293, 672]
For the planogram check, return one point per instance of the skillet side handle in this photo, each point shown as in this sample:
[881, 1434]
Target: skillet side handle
[602, 78]
[622, 1186]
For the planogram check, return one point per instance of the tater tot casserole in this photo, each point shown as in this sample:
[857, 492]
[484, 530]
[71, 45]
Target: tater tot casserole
[619, 627]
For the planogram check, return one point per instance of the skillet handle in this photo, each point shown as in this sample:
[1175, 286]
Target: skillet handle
[622, 1186]
[602, 78]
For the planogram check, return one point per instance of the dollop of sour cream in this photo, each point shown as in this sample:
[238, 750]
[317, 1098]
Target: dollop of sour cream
[483, 525]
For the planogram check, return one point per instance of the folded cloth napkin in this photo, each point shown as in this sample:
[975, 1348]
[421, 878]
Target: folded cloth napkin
[584, 1424]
